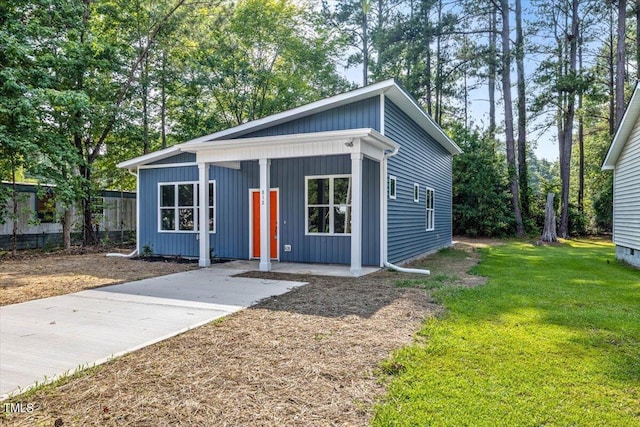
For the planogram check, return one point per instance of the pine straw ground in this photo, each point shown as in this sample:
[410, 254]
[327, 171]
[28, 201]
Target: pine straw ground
[311, 357]
[32, 275]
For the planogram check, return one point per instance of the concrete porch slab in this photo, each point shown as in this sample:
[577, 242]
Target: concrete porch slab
[336, 270]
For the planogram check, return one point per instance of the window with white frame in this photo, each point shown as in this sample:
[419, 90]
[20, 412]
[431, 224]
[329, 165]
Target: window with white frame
[416, 192]
[430, 209]
[392, 187]
[179, 206]
[328, 204]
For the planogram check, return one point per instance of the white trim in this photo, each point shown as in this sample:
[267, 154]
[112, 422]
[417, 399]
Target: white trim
[394, 187]
[265, 215]
[356, 214]
[416, 192]
[257, 190]
[168, 165]
[176, 207]
[427, 209]
[149, 158]
[331, 205]
[202, 225]
[382, 113]
[383, 208]
[625, 128]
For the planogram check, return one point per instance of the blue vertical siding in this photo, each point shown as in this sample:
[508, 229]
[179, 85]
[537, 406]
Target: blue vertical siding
[423, 161]
[183, 244]
[231, 239]
[289, 176]
[360, 114]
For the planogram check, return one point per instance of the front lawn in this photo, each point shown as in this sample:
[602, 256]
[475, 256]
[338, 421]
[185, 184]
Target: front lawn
[553, 338]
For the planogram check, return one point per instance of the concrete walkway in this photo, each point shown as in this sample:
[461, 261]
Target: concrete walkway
[43, 339]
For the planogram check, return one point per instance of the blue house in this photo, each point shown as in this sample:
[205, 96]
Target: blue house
[361, 178]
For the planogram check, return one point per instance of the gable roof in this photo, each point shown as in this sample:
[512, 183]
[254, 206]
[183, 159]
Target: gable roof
[390, 88]
[625, 128]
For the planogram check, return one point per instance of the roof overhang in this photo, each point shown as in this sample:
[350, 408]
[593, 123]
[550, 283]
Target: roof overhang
[625, 128]
[368, 142]
[149, 158]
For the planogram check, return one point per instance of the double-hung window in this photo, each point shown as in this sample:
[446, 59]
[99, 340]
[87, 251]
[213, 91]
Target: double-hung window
[430, 222]
[179, 206]
[328, 204]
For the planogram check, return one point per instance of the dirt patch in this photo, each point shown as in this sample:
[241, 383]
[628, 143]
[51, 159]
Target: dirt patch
[310, 357]
[32, 276]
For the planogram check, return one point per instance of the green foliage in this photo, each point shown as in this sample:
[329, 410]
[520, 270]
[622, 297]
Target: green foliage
[551, 339]
[480, 192]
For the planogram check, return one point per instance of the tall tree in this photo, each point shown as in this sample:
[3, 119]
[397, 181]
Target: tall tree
[354, 19]
[508, 116]
[523, 175]
[620, 59]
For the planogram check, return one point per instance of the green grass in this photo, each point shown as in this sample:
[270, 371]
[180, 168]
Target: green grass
[552, 339]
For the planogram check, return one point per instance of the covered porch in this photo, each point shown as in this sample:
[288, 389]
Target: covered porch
[358, 144]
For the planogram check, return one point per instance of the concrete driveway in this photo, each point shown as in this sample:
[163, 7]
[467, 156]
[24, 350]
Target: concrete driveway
[43, 339]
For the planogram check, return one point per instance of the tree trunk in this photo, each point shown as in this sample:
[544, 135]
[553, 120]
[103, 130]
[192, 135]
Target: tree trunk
[144, 80]
[612, 77]
[14, 197]
[493, 54]
[438, 85]
[163, 101]
[66, 229]
[88, 232]
[522, 115]
[580, 138]
[567, 128]
[365, 45]
[508, 118]
[549, 231]
[620, 60]
[637, 10]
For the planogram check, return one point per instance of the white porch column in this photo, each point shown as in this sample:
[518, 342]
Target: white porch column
[265, 186]
[356, 214]
[203, 220]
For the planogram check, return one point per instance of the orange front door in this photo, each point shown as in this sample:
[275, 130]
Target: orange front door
[273, 226]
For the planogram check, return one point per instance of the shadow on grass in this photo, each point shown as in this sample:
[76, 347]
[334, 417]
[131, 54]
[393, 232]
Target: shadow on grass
[577, 286]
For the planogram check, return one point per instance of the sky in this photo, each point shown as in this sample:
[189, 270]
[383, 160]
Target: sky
[545, 141]
[546, 145]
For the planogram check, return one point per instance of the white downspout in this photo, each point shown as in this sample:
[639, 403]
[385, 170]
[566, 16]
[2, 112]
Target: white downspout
[405, 270]
[386, 263]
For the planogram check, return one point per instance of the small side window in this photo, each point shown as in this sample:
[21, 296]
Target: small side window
[392, 187]
[416, 192]
[430, 211]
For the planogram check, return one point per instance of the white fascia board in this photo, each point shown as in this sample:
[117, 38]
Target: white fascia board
[304, 110]
[149, 158]
[371, 136]
[624, 130]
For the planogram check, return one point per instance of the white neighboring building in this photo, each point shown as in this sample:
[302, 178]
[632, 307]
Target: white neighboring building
[624, 159]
